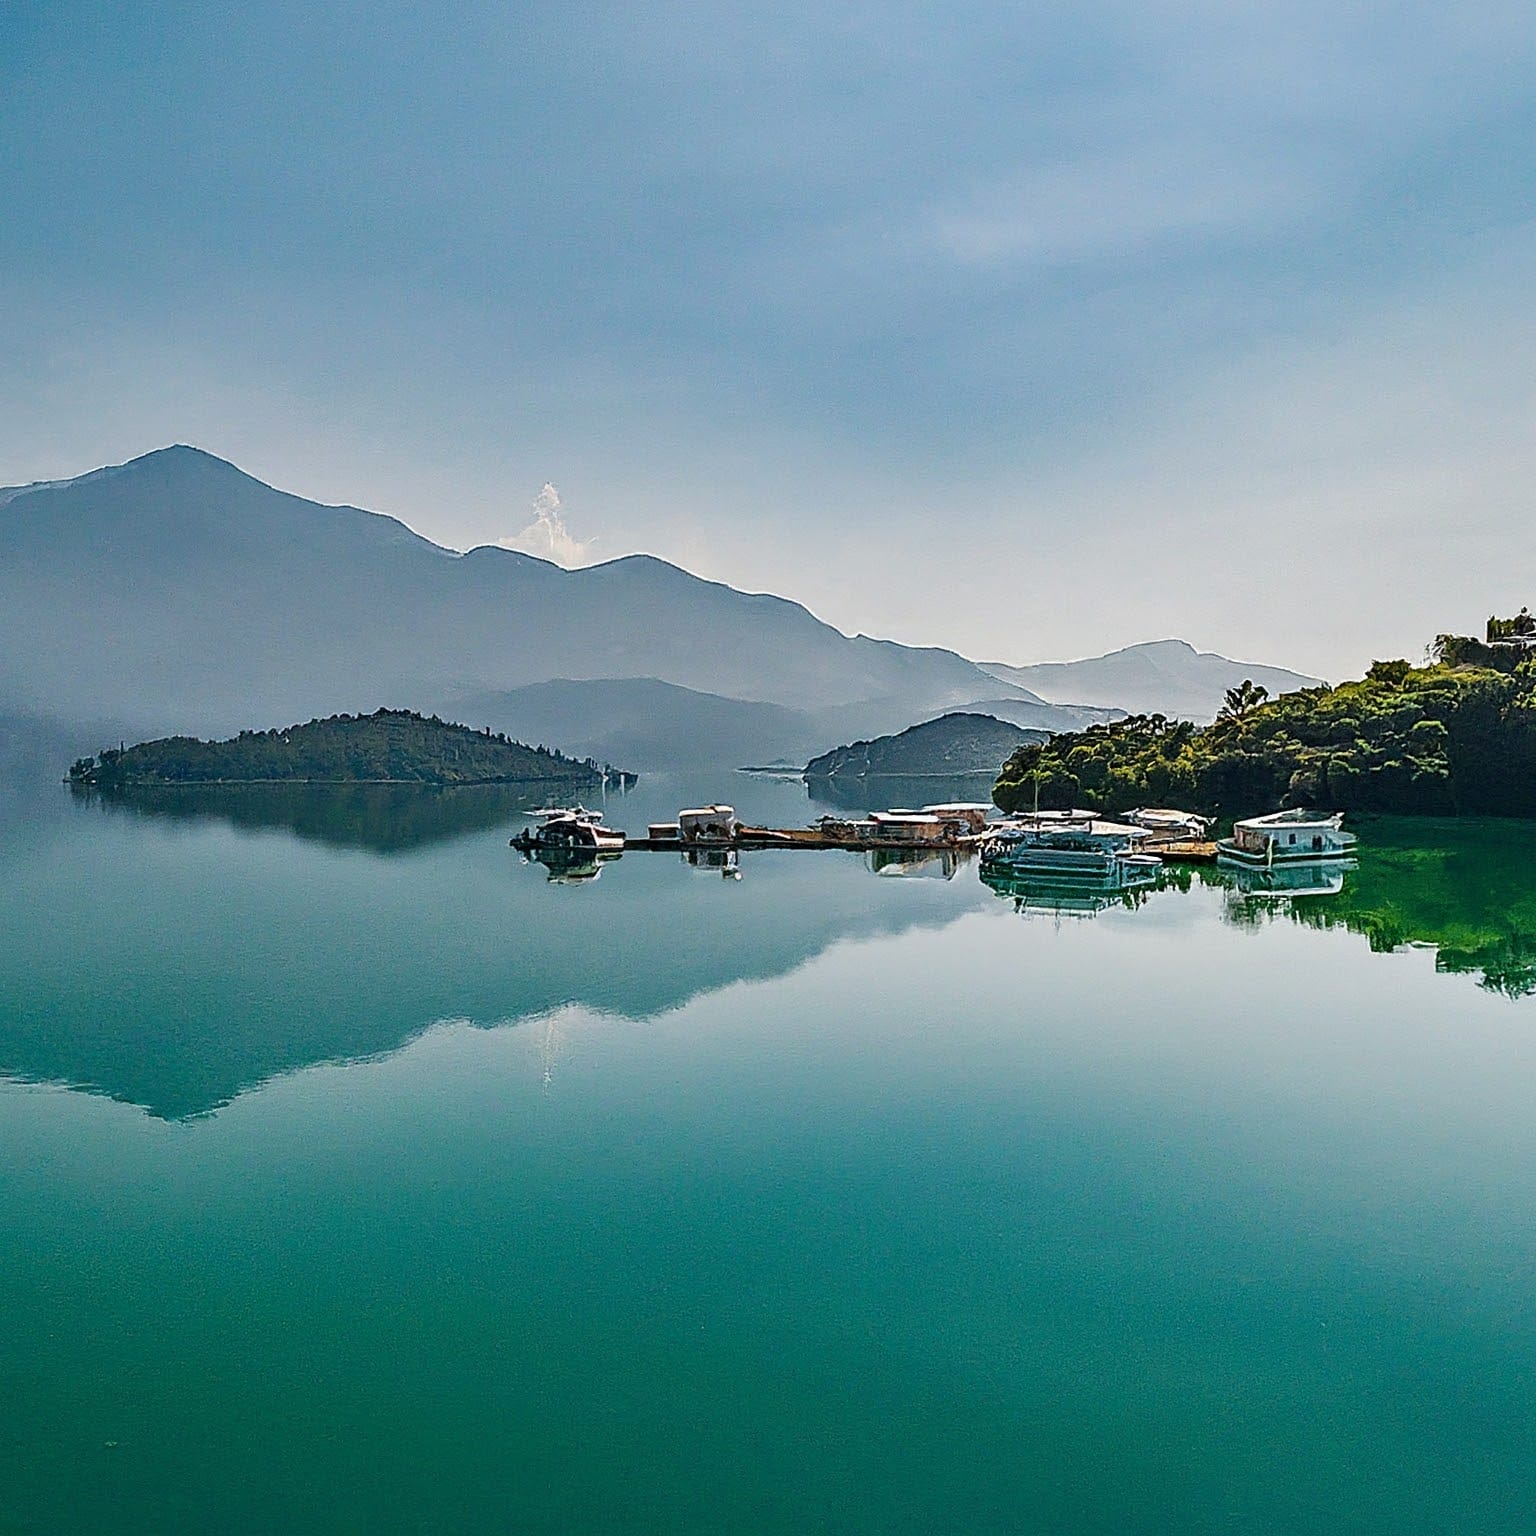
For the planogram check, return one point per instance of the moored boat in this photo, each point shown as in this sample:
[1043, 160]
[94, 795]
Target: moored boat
[1168, 823]
[569, 829]
[1083, 846]
[1287, 837]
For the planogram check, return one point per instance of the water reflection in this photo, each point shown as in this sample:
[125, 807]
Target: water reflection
[384, 818]
[1080, 893]
[1466, 887]
[916, 863]
[1289, 880]
[570, 867]
[877, 793]
[176, 971]
[725, 862]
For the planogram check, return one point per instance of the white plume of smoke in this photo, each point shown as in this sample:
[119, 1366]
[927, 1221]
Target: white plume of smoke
[547, 535]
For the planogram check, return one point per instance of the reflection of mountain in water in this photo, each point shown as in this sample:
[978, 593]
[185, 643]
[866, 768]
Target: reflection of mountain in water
[174, 967]
[1464, 886]
[386, 818]
[876, 792]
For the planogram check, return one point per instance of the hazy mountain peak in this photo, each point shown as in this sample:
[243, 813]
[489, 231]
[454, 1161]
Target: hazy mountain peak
[178, 593]
[1167, 677]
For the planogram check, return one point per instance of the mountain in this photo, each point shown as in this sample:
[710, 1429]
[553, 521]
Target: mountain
[645, 723]
[1036, 715]
[951, 745]
[177, 594]
[1164, 677]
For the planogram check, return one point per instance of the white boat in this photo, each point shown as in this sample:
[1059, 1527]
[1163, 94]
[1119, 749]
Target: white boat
[1071, 844]
[1167, 823]
[708, 824]
[569, 829]
[1287, 837]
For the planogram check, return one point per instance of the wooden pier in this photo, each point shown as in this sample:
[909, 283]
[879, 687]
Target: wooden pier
[1181, 852]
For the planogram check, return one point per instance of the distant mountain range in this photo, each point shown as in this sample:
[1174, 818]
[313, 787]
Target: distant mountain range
[177, 594]
[1164, 677]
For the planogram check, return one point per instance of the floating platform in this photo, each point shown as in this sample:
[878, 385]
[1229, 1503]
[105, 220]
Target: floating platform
[1181, 852]
[805, 837]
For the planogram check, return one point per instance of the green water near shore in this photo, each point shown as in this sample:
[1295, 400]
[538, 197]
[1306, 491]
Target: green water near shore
[355, 1177]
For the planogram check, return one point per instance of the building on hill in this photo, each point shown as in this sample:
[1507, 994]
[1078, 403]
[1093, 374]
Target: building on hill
[1518, 633]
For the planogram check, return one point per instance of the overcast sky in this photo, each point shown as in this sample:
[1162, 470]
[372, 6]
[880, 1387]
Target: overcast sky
[1029, 330]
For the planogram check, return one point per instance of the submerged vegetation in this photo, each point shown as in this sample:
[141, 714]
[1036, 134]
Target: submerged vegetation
[391, 746]
[1452, 737]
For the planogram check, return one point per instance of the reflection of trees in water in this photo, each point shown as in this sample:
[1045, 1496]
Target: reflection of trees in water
[386, 818]
[1465, 887]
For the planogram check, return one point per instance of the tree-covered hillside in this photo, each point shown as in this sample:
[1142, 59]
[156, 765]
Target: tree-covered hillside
[953, 744]
[1440, 739]
[389, 746]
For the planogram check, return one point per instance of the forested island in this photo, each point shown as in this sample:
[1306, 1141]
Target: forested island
[1456, 736]
[390, 746]
[956, 743]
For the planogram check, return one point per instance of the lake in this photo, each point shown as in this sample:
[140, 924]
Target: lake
[358, 1176]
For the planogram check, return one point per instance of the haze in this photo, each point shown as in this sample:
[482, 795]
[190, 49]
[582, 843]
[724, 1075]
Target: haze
[1026, 331]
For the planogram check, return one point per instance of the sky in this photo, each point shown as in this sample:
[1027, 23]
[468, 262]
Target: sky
[1028, 330]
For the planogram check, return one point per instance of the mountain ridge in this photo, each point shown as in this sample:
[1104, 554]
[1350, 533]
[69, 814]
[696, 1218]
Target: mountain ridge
[178, 594]
[181, 594]
[1168, 677]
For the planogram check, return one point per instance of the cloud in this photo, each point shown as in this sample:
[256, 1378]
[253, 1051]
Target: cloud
[547, 535]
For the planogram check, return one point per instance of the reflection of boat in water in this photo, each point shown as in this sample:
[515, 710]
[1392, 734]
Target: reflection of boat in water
[725, 862]
[1076, 892]
[571, 866]
[914, 863]
[1303, 878]
[569, 829]
[1287, 837]
[1070, 843]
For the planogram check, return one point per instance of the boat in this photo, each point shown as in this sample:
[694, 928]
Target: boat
[569, 829]
[1069, 844]
[1287, 837]
[708, 824]
[1167, 823]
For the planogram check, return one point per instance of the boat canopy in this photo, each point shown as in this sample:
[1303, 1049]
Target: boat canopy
[1292, 820]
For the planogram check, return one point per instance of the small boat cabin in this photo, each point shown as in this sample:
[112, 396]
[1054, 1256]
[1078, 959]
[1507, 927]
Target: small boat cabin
[1286, 837]
[708, 824]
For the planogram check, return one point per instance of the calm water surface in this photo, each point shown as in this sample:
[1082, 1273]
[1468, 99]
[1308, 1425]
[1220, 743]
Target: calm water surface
[357, 1177]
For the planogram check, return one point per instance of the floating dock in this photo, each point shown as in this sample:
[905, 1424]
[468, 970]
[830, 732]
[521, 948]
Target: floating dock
[1181, 852]
[802, 837]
